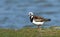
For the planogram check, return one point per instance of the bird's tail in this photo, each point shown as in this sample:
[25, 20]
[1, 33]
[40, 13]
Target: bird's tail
[47, 19]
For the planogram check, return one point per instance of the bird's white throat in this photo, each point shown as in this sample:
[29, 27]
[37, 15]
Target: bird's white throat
[31, 17]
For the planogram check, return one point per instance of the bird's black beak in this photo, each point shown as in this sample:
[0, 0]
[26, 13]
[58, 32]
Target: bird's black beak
[28, 15]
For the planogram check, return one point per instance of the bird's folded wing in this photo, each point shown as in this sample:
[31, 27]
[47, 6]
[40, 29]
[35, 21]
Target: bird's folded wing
[38, 17]
[38, 20]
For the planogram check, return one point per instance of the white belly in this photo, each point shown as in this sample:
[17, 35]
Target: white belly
[38, 23]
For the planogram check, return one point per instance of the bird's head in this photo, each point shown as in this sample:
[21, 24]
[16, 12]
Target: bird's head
[30, 14]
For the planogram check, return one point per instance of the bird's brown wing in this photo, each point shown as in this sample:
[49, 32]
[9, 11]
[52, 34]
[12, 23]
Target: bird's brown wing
[38, 17]
[39, 20]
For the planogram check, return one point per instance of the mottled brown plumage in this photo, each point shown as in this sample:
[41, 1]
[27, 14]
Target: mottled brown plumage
[40, 19]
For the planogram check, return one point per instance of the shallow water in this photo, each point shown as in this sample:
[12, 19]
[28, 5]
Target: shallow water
[14, 13]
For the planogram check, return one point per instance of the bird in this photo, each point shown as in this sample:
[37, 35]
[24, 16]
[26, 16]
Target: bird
[37, 20]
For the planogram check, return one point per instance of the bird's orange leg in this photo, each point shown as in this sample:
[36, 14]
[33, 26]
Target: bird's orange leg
[39, 28]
